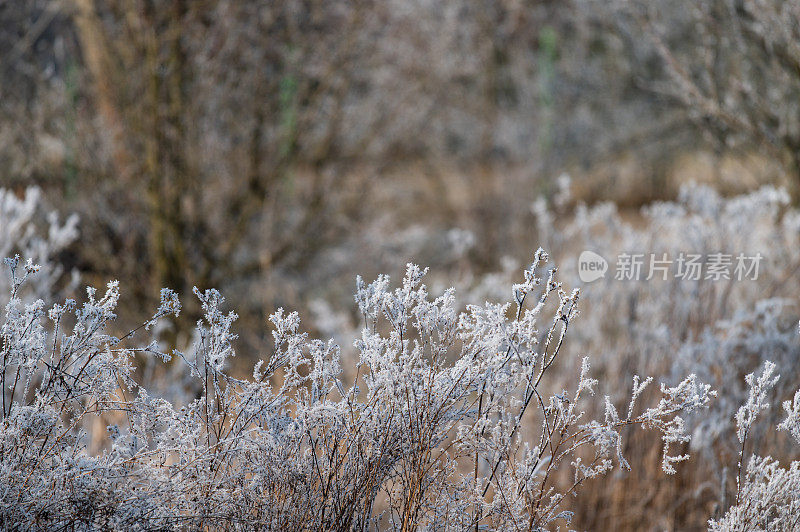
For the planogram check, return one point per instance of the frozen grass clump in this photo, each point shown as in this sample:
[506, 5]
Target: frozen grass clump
[434, 430]
[437, 414]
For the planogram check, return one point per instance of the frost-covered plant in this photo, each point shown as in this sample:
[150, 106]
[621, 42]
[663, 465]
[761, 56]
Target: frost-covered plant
[756, 402]
[768, 498]
[29, 232]
[434, 431]
[716, 329]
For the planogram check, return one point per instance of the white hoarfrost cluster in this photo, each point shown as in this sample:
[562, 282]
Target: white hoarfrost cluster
[449, 420]
[718, 329]
[484, 418]
[768, 497]
[28, 231]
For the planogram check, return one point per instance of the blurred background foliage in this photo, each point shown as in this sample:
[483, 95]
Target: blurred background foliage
[272, 149]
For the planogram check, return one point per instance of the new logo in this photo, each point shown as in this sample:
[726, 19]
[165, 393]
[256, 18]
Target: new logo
[591, 266]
